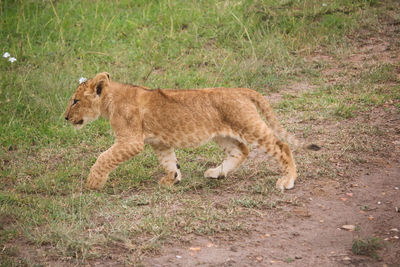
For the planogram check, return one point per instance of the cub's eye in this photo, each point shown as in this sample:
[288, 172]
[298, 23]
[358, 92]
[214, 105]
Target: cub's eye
[75, 101]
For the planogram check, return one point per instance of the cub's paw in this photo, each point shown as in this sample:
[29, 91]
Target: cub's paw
[169, 180]
[95, 183]
[285, 183]
[214, 173]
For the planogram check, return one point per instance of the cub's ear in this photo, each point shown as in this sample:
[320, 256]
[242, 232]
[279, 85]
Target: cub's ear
[100, 81]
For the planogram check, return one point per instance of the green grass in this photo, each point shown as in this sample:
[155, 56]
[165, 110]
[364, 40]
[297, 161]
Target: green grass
[160, 44]
[367, 247]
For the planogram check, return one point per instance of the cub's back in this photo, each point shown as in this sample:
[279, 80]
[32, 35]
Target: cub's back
[174, 107]
[199, 113]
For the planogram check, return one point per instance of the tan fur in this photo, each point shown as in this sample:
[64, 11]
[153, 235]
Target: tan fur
[168, 119]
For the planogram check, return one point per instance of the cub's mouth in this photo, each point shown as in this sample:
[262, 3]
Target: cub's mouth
[78, 125]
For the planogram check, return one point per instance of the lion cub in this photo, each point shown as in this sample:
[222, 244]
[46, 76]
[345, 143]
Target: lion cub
[168, 119]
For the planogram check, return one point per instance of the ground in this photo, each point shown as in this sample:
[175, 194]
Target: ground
[331, 72]
[307, 231]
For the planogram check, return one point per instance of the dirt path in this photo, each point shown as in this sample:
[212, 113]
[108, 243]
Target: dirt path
[309, 234]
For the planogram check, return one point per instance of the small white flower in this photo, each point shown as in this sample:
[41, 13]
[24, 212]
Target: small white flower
[12, 59]
[6, 55]
[82, 80]
[324, 4]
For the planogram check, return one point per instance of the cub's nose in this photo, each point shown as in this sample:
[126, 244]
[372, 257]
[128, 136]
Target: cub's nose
[66, 118]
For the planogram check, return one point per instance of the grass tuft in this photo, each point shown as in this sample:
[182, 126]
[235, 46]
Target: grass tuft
[345, 111]
[368, 247]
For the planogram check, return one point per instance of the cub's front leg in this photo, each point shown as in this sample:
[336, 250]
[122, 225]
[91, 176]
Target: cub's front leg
[110, 159]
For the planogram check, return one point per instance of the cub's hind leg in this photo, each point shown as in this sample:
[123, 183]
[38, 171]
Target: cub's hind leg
[286, 160]
[266, 140]
[167, 159]
[236, 153]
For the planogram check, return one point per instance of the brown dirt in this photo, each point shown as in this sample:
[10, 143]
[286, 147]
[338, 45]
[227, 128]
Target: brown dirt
[308, 234]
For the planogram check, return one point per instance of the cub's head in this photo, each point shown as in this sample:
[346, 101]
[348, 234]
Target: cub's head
[84, 106]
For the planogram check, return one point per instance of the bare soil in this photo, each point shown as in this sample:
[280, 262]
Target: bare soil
[309, 234]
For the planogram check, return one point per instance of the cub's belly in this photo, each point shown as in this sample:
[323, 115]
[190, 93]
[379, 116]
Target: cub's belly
[178, 141]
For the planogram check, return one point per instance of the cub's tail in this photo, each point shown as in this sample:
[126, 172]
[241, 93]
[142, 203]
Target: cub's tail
[269, 114]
